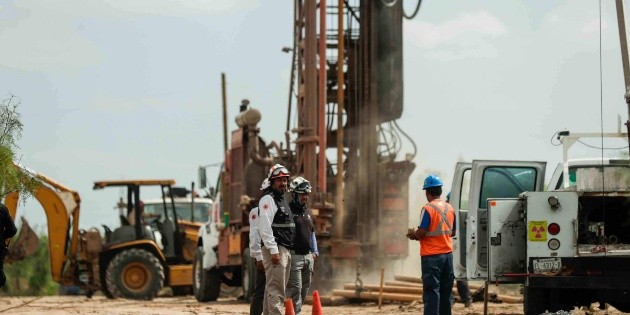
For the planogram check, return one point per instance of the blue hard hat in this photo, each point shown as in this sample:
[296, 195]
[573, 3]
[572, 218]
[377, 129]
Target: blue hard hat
[432, 181]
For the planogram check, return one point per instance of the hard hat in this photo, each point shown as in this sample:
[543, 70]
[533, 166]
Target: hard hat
[277, 171]
[264, 184]
[432, 181]
[300, 185]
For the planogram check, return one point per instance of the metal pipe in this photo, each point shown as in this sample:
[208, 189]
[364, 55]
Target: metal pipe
[621, 22]
[224, 99]
[192, 202]
[225, 186]
[339, 201]
[321, 162]
[292, 68]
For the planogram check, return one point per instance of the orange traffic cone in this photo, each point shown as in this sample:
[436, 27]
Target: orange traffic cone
[317, 305]
[288, 307]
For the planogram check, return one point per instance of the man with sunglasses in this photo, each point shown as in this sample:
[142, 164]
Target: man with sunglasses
[277, 230]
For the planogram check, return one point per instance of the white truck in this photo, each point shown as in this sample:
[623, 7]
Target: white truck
[569, 246]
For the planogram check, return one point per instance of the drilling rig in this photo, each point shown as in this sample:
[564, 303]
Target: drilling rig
[346, 93]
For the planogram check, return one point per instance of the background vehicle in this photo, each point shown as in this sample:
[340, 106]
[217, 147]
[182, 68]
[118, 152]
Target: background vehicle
[569, 246]
[131, 261]
[345, 141]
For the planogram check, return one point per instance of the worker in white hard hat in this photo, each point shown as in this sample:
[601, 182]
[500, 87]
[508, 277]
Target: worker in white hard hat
[277, 231]
[304, 250]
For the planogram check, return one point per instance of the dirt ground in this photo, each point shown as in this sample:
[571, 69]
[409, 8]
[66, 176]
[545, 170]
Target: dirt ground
[188, 305]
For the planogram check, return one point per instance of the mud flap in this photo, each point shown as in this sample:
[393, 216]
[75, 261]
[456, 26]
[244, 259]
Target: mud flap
[25, 245]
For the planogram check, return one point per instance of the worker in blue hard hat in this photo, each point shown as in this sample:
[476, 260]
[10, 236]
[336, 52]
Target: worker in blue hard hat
[437, 226]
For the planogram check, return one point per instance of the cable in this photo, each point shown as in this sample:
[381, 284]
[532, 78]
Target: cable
[415, 12]
[559, 141]
[601, 148]
[415, 149]
[601, 117]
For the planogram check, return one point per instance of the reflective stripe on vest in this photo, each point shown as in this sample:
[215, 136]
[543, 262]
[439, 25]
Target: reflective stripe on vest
[443, 221]
[283, 225]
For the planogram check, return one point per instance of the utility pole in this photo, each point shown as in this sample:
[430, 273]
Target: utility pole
[621, 22]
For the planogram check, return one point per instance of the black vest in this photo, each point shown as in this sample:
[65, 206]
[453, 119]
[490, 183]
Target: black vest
[303, 228]
[283, 226]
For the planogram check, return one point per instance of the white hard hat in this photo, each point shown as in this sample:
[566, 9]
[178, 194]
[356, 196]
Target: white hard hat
[264, 184]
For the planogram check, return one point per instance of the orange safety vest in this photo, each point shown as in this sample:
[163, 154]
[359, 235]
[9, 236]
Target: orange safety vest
[438, 239]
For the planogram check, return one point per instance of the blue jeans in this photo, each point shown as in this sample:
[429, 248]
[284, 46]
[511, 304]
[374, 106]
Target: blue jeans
[300, 279]
[437, 283]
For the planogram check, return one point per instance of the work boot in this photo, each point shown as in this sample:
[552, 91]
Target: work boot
[3, 278]
[468, 304]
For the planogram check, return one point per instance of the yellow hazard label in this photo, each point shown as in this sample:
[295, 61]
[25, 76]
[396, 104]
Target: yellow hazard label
[537, 231]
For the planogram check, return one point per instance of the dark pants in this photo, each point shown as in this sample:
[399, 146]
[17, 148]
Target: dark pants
[437, 283]
[464, 291]
[3, 254]
[256, 307]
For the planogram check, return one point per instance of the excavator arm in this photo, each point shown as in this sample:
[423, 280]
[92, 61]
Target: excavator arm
[62, 208]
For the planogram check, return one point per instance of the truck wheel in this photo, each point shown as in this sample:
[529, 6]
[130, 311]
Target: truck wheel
[135, 274]
[249, 276]
[206, 283]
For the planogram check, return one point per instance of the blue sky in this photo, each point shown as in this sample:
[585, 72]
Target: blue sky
[131, 89]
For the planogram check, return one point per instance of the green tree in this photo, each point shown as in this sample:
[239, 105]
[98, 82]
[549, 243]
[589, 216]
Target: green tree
[12, 178]
[31, 276]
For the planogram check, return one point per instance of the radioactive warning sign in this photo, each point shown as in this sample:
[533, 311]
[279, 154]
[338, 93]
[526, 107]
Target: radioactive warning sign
[537, 231]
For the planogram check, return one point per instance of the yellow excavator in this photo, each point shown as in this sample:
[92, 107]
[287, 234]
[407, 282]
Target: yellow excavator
[131, 261]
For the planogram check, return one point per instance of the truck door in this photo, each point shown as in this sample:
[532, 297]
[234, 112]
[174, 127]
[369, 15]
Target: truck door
[494, 179]
[459, 201]
[507, 236]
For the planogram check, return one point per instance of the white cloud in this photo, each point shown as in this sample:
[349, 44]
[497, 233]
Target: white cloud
[43, 42]
[46, 36]
[462, 37]
[484, 50]
[182, 8]
[592, 27]
[578, 22]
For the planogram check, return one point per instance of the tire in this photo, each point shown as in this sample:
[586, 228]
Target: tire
[206, 283]
[135, 274]
[103, 276]
[248, 276]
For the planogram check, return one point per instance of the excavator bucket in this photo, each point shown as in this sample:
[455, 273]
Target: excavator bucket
[25, 244]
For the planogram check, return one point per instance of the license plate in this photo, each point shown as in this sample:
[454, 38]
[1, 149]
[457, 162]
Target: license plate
[547, 265]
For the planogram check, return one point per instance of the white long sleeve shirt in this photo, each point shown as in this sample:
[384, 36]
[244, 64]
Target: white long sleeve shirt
[254, 235]
[268, 209]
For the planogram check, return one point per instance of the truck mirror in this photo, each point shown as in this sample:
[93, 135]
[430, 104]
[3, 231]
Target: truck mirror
[201, 174]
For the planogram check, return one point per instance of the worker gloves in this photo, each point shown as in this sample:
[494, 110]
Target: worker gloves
[411, 234]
